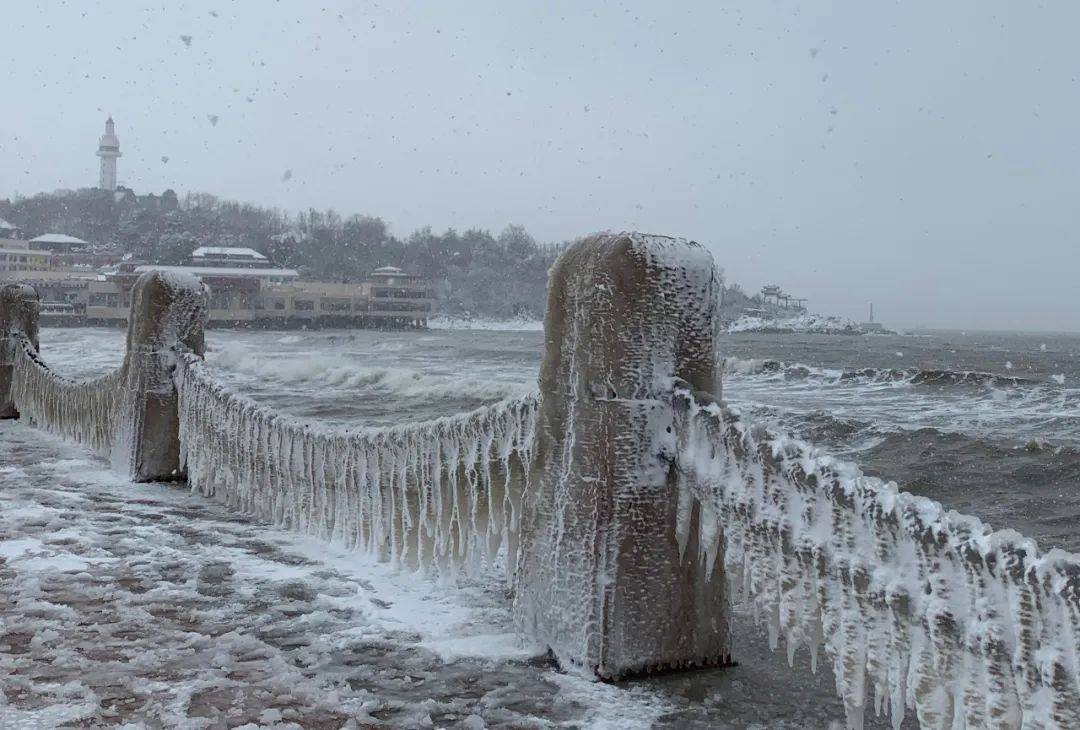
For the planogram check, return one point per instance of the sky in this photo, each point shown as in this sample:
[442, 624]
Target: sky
[920, 155]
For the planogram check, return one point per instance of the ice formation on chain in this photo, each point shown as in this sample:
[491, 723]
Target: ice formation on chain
[928, 609]
[432, 496]
[602, 579]
[128, 416]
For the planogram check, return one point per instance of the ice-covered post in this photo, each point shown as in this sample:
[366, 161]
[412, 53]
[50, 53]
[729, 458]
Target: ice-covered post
[19, 307]
[168, 314]
[601, 577]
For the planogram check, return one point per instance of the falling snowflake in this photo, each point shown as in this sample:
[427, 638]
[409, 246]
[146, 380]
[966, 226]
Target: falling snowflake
[286, 176]
[187, 40]
[213, 119]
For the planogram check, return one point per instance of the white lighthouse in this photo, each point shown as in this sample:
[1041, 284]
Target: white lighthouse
[108, 151]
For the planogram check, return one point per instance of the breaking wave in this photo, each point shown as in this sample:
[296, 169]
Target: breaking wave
[910, 376]
[340, 373]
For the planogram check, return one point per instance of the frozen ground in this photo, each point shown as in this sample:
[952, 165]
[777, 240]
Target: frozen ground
[141, 605]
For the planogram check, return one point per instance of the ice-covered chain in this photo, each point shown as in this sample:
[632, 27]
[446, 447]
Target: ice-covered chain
[438, 495]
[81, 411]
[919, 607]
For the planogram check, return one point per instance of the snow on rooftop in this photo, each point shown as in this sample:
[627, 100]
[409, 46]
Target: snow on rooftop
[59, 238]
[204, 251]
[222, 271]
[386, 270]
[5, 226]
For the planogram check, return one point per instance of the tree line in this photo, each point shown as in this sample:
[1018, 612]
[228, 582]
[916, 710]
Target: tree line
[474, 272]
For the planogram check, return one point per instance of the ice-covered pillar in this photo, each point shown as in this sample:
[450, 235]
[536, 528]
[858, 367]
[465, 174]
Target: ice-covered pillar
[601, 578]
[168, 314]
[19, 307]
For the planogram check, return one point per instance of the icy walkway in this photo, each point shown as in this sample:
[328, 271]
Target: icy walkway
[141, 605]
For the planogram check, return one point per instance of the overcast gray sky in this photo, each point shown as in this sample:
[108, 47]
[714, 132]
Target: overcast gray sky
[924, 155]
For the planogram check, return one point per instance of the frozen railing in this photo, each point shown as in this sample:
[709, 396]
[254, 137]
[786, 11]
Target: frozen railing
[83, 411]
[128, 416]
[626, 504]
[433, 496]
[926, 609]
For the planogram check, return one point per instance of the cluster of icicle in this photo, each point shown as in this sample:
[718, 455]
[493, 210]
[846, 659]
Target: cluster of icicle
[928, 609]
[82, 411]
[434, 496]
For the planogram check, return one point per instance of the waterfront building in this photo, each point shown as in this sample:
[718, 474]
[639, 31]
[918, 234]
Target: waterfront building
[246, 290]
[228, 256]
[17, 256]
[58, 242]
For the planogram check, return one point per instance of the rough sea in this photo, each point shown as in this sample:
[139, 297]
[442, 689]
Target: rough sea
[986, 423]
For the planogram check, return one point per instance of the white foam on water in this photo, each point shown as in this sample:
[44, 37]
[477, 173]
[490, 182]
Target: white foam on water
[446, 322]
[344, 372]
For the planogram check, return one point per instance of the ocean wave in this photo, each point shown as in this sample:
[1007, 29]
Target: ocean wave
[911, 376]
[340, 373]
[932, 376]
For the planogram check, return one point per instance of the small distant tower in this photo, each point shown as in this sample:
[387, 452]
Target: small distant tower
[108, 151]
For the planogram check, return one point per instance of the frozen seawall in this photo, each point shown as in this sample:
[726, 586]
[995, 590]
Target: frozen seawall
[627, 506]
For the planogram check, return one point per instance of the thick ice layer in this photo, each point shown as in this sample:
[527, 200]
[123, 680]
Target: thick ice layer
[435, 495]
[917, 608]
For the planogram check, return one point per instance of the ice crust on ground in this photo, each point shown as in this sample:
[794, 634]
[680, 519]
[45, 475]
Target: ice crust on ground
[917, 608]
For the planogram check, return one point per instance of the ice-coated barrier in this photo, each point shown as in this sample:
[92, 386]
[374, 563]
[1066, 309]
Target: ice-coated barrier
[433, 496]
[925, 609]
[602, 579]
[128, 416]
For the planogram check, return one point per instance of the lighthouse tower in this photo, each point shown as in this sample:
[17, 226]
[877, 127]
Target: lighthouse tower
[108, 151]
